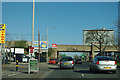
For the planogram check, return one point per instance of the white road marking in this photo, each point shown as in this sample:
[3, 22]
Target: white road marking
[51, 70]
[13, 74]
[83, 75]
[47, 74]
[4, 73]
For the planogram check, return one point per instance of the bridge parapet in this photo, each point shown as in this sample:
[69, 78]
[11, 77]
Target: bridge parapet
[81, 48]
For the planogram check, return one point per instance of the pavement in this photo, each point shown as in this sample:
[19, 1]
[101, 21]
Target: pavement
[9, 71]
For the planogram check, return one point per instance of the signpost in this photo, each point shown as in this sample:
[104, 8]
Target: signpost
[0, 62]
[33, 66]
[2, 38]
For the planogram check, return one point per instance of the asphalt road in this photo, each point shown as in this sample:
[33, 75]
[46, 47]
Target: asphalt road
[49, 71]
[79, 71]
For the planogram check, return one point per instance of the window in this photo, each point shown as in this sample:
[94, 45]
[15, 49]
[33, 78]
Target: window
[52, 59]
[105, 58]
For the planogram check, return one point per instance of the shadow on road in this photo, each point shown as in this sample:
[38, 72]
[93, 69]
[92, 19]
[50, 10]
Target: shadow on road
[24, 72]
[12, 70]
[60, 68]
[89, 72]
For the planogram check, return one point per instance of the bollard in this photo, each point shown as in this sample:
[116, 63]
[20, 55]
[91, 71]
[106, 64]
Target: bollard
[16, 65]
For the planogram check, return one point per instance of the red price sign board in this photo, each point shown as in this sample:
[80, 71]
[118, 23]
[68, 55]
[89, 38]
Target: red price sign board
[31, 49]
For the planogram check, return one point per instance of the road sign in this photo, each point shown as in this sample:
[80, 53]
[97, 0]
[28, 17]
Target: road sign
[31, 51]
[63, 55]
[83, 56]
[2, 33]
[54, 45]
[33, 66]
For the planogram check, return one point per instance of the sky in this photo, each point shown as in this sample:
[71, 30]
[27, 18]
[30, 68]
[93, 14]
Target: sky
[69, 18]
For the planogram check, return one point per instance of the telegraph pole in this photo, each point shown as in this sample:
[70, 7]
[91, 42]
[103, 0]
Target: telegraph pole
[47, 46]
[32, 31]
[39, 46]
[33, 27]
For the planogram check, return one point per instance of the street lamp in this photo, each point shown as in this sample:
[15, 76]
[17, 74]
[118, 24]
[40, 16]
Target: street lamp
[47, 41]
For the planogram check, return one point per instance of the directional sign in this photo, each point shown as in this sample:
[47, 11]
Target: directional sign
[2, 33]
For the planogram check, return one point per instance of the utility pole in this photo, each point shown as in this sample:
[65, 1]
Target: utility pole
[32, 31]
[39, 46]
[10, 51]
[3, 53]
[47, 46]
[0, 61]
[33, 27]
[6, 55]
[100, 49]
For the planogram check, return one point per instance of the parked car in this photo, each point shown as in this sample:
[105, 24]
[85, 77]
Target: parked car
[67, 62]
[78, 61]
[53, 61]
[103, 63]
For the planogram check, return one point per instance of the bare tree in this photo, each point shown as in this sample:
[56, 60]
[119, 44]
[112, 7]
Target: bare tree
[7, 36]
[117, 37]
[8, 44]
[103, 37]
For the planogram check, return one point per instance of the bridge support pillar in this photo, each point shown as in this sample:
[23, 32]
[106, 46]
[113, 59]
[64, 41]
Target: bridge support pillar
[54, 53]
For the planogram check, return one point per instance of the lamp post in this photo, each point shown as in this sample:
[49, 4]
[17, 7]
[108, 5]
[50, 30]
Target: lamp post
[47, 43]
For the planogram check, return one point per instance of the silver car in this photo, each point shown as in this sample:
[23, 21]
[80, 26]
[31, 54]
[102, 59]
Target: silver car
[103, 63]
[67, 62]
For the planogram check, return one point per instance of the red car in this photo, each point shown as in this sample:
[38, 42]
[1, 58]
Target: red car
[53, 61]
